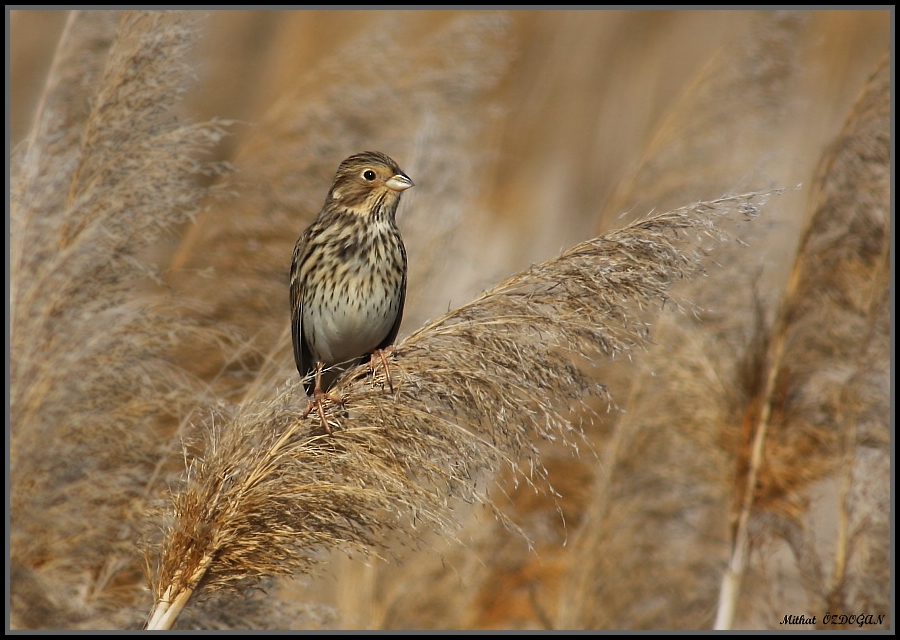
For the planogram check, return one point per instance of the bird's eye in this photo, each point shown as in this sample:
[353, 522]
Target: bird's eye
[369, 175]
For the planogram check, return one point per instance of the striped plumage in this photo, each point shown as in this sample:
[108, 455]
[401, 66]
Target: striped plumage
[348, 272]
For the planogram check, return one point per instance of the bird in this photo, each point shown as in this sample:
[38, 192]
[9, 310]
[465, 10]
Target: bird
[348, 276]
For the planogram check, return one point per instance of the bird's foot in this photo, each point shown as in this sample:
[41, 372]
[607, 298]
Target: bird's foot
[381, 355]
[320, 397]
[317, 403]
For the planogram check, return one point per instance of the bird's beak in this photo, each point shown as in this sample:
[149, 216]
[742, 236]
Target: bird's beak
[399, 182]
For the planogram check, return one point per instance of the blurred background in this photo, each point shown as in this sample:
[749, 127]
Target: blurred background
[525, 132]
[572, 102]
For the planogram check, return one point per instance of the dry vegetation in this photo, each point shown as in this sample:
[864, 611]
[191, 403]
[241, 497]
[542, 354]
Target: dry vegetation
[683, 422]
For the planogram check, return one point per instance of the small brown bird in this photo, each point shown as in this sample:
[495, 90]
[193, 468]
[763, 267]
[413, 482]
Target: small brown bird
[348, 274]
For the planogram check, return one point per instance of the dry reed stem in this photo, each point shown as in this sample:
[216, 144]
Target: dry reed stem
[833, 317]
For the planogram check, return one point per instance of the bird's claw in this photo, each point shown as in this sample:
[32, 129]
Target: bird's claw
[318, 400]
[381, 355]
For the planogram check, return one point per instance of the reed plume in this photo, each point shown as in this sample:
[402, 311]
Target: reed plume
[104, 171]
[478, 389]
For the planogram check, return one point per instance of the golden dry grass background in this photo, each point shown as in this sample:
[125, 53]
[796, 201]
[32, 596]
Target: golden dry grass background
[527, 132]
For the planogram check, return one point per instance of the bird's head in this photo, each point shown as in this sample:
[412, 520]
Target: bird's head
[367, 183]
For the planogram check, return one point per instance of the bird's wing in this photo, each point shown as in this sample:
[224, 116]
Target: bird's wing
[301, 349]
[392, 334]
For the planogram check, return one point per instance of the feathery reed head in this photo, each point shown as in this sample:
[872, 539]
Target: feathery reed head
[475, 391]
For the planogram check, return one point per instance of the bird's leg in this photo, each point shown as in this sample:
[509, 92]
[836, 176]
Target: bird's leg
[316, 402]
[382, 354]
